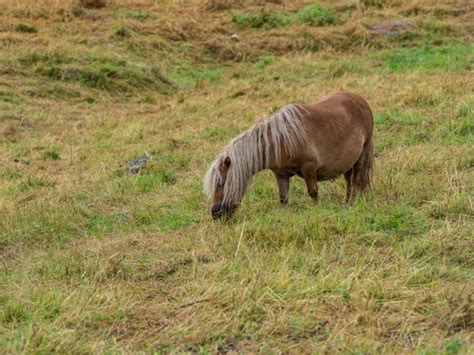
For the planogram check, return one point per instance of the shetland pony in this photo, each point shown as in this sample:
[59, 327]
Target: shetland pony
[318, 141]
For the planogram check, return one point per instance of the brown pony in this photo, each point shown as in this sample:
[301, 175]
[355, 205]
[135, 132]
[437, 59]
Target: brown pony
[318, 142]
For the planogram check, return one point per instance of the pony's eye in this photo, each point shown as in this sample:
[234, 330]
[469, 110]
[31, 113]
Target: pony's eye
[220, 183]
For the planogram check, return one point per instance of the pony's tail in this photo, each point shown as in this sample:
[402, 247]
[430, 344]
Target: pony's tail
[364, 167]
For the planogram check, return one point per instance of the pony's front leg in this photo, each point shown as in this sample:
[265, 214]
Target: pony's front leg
[283, 187]
[309, 175]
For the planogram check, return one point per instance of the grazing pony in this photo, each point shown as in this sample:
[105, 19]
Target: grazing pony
[318, 142]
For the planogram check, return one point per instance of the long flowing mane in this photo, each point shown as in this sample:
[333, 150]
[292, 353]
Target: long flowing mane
[252, 151]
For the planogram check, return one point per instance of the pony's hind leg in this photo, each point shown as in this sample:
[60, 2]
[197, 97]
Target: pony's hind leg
[361, 173]
[348, 175]
[283, 187]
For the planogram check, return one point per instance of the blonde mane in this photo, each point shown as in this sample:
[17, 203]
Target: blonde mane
[252, 151]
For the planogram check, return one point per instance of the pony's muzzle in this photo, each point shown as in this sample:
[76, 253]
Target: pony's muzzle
[219, 210]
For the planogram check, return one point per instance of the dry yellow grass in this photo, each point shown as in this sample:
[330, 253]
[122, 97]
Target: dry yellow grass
[94, 261]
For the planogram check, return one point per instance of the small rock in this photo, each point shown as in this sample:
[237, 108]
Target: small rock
[392, 28]
[135, 165]
[235, 37]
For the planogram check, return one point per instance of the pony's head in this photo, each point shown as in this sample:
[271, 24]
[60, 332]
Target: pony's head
[247, 154]
[217, 186]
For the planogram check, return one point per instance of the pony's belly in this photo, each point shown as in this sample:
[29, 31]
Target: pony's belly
[334, 163]
[323, 174]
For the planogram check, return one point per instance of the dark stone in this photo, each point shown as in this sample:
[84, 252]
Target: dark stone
[392, 28]
[135, 165]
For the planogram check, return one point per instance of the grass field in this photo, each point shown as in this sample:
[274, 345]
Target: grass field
[94, 260]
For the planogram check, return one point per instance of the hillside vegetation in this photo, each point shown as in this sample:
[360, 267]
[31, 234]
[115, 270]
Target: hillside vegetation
[96, 260]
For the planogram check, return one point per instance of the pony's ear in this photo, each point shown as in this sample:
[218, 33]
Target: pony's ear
[227, 162]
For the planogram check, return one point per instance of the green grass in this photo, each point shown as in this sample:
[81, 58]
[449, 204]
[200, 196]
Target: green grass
[263, 20]
[120, 31]
[264, 62]
[136, 15]
[26, 28]
[33, 184]
[52, 154]
[189, 76]
[311, 15]
[146, 183]
[453, 57]
[94, 260]
[316, 15]
[100, 72]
